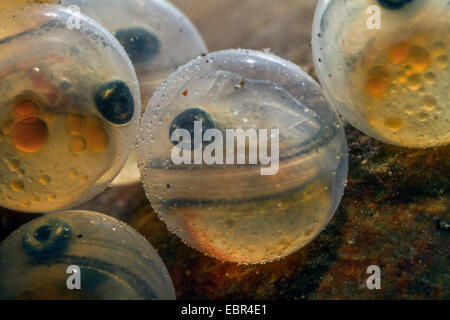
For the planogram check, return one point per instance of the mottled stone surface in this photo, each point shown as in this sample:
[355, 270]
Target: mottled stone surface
[395, 212]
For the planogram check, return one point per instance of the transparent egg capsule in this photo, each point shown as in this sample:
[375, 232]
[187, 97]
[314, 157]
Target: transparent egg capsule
[67, 109]
[384, 65]
[81, 255]
[157, 37]
[249, 161]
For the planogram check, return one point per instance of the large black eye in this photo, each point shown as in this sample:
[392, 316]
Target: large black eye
[185, 120]
[393, 4]
[51, 238]
[140, 44]
[115, 102]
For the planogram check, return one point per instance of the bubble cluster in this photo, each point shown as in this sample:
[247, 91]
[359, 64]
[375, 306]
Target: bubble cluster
[393, 82]
[114, 261]
[229, 205]
[67, 109]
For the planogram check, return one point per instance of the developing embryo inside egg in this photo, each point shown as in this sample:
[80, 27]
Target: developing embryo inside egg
[250, 159]
[112, 259]
[69, 109]
[392, 80]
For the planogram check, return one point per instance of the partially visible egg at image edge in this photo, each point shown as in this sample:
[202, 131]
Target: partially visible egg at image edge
[393, 81]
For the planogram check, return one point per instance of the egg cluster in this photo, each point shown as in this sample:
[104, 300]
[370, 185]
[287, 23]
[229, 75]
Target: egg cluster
[157, 37]
[240, 152]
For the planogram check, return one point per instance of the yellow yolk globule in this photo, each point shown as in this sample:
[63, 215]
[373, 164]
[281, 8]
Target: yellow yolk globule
[401, 85]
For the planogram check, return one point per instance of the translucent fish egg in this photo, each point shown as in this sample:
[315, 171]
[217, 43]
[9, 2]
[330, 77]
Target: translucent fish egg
[384, 65]
[38, 260]
[156, 35]
[158, 38]
[114, 261]
[68, 101]
[252, 199]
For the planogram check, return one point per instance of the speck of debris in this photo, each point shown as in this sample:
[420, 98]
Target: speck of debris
[241, 84]
[443, 225]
